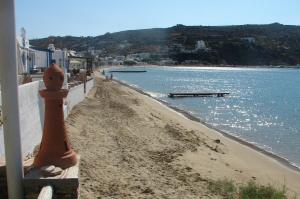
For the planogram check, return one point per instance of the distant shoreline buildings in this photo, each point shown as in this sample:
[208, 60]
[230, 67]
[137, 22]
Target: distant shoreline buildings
[155, 58]
[32, 59]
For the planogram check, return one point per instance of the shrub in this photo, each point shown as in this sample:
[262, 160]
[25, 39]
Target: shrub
[255, 191]
[227, 189]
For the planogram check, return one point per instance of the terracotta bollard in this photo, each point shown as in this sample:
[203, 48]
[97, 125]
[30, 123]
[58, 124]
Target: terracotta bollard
[55, 148]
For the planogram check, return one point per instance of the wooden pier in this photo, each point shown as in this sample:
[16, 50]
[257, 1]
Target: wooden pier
[127, 71]
[172, 95]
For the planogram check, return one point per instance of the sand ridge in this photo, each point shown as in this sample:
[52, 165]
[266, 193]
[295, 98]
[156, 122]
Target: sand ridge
[132, 146]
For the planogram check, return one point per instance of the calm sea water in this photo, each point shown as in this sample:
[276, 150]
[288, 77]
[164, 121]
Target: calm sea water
[263, 106]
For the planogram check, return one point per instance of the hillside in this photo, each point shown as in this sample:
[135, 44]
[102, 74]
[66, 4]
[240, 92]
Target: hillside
[272, 44]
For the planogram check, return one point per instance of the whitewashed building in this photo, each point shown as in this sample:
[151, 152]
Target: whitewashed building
[200, 45]
[248, 39]
[60, 57]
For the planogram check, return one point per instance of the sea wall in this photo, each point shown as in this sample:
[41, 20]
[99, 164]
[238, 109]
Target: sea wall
[31, 108]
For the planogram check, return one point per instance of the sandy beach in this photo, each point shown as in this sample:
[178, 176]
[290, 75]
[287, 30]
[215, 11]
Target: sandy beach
[132, 146]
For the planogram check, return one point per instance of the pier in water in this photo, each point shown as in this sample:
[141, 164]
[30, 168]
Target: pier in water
[262, 108]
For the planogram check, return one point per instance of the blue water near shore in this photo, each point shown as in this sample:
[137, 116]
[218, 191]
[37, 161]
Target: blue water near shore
[263, 107]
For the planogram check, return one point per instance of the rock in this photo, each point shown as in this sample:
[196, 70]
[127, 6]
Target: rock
[148, 191]
[48, 169]
[188, 168]
[50, 172]
[57, 171]
[218, 141]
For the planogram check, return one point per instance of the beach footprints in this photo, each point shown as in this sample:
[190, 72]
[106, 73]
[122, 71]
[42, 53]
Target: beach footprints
[194, 139]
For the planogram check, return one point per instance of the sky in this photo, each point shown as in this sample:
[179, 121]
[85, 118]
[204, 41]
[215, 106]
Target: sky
[42, 18]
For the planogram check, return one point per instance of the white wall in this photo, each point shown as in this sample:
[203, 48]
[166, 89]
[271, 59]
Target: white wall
[31, 107]
[60, 57]
[31, 114]
[89, 85]
[41, 59]
[75, 96]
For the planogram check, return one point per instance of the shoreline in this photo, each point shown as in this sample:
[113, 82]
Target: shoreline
[189, 116]
[241, 66]
[207, 66]
[133, 145]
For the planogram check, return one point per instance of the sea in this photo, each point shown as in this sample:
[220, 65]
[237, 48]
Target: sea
[263, 107]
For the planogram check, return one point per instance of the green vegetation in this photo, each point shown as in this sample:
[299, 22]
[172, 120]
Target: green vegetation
[227, 189]
[129, 63]
[252, 190]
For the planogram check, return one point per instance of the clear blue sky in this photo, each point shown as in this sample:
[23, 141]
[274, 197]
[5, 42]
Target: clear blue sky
[42, 18]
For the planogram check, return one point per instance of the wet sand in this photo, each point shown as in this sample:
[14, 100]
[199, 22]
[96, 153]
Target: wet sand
[133, 146]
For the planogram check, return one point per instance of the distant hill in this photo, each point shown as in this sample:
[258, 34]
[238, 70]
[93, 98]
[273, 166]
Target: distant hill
[271, 44]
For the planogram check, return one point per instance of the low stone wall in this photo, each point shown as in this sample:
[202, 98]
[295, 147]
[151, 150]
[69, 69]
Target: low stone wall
[31, 108]
[89, 85]
[77, 94]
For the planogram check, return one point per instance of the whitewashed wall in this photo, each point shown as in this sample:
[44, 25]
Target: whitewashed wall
[89, 85]
[31, 114]
[76, 95]
[31, 107]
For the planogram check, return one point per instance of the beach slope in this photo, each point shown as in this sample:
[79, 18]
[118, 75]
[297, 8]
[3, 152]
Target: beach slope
[132, 146]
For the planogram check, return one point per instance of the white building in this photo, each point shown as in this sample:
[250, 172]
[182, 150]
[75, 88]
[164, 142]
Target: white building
[60, 57]
[40, 59]
[248, 39]
[32, 59]
[124, 44]
[72, 53]
[120, 58]
[76, 64]
[200, 45]
[51, 47]
[138, 56]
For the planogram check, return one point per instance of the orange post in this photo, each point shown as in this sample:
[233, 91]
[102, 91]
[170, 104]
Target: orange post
[55, 148]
